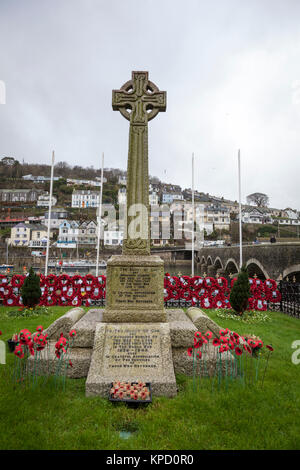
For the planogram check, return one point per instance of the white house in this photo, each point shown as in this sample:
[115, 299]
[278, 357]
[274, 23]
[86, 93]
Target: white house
[87, 233]
[71, 181]
[255, 216]
[20, 235]
[85, 198]
[122, 196]
[29, 235]
[44, 199]
[122, 180]
[68, 233]
[153, 198]
[113, 237]
[57, 216]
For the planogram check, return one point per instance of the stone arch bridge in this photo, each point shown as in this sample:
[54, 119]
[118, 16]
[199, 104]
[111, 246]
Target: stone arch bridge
[266, 260]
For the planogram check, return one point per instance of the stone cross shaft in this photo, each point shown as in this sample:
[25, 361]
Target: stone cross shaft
[138, 100]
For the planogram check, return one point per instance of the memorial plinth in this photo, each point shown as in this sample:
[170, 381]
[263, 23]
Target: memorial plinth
[131, 352]
[135, 289]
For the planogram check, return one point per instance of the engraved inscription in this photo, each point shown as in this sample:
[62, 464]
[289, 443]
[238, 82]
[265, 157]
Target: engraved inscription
[133, 286]
[132, 349]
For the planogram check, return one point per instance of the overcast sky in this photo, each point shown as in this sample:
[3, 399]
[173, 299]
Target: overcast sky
[231, 70]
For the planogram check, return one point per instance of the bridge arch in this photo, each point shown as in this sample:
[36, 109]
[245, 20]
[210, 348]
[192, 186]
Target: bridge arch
[218, 263]
[209, 261]
[255, 267]
[294, 269]
[231, 267]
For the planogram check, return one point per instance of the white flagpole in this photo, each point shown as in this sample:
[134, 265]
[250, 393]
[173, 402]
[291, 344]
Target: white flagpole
[49, 214]
[193, 207]
[240, 210]
[99, 218]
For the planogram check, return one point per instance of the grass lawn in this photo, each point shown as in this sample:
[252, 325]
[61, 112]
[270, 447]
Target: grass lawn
[241, 418]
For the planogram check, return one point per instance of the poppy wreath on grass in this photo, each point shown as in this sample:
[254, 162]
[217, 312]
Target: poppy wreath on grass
[100, 281]
[42, 280]
[51, 300]
[256, 286]
[63, 281]
[176, 293]
[89, 280]
[270, 284]
[196, 282]
[209, 282]
[17, 280]
[62, 301]
[70, 293]
[75, 301]
[206, 301]
[77, 281]
[3, 280]
[96, 293]
[274, 296]
[10, 301]
[19, 301]
[219, 303]
[167, 294]
[186, 294]
[184, 282]
[201, 291]
[6, 292]
[51, 280]
[260, 305]
[215, 292]
[174, 282]
[222, 282]
[194, 299]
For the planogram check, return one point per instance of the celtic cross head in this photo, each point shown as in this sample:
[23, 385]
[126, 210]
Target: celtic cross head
[139, 100]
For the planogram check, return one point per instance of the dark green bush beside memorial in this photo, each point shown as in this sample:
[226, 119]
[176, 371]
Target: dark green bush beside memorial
[240, 292]
[31, 291]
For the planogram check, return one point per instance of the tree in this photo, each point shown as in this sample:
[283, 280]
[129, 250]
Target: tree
[259, 199]
[31, 291]
[240, 292]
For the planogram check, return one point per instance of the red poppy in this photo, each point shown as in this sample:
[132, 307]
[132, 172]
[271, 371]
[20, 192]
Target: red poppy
[223, 332]
[190, 351]
[238, 351]
[199, 354]
[224, 348]
[208, 334]
[39, 328]
[72, 333]
[269, 347]
[0, 332]
[216, 342]
[198, 344]
[19, 351]
[198, 334]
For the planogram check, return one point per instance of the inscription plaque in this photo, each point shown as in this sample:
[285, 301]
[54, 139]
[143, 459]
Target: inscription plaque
[134, 289]
[129, 352]
[134, 286]
[132, 349]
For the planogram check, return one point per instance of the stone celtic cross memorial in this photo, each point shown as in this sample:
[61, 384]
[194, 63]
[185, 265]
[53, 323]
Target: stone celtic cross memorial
[139, 101]
[133, 340]
[135, 279]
